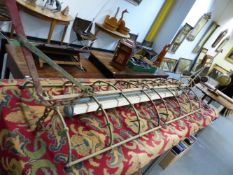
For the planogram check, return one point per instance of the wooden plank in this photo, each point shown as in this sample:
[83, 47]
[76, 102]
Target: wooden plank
[112, 33]
[219, 96]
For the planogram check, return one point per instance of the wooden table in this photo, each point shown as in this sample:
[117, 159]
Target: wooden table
[48, 15]
[18, 67]
[102, 60]
[62, 55]
[115, 34]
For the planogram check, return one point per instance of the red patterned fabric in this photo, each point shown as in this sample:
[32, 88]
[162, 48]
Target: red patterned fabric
[25, 150]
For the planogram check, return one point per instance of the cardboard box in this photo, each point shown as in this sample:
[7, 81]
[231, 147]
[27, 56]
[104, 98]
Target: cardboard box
[172, 156]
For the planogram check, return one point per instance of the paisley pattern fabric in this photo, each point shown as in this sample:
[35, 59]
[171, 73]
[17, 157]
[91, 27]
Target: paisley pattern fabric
[27, 150]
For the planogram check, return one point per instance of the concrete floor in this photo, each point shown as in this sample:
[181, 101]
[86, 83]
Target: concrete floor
[212, 154]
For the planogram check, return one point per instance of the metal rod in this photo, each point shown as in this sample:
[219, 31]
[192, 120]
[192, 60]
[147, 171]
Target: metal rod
[128, 83]
[135, 111]
[187, 96]
[66, 129]
[163, 101]
[176, 101]
[108, 123]
[154, 106]
[198, 99]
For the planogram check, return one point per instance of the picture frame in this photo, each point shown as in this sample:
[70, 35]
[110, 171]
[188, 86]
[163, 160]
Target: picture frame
[216, 71]
[212, 28]
[183, 65]
[199, 26]
[229, 56]
[221, 45]
[134, 2]
[168, 64]
[199, 60]
[219, 38]
[179, 38]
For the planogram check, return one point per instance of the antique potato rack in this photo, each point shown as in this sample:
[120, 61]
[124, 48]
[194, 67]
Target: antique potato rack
[102, 95]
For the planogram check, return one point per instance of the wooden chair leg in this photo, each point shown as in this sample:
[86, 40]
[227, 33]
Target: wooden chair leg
[41, 63]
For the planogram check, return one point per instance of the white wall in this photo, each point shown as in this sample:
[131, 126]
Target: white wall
[138, 20]
[172, 22]
[226, 22]
[221, 13]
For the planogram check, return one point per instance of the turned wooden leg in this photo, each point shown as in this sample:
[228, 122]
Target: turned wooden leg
[52, 26]
[64, 34]
[41, 63]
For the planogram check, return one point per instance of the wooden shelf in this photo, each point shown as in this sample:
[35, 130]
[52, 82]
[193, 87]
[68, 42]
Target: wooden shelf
[117, 34]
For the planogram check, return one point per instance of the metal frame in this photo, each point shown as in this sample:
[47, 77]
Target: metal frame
[124, 86]
[120, 87]
[128, 84]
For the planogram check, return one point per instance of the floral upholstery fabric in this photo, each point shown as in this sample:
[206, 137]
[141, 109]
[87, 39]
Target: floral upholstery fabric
[26, 150]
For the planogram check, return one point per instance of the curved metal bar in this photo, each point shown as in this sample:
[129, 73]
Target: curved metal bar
[121, 93]
[85, 90]
[126, 82]
[175, 96]
[100, 81]
[126, 141]
[187, 96]
[69, 82]
[164, 102]
[108, 123]
[158, 82]
[142, 84]
[44, 93]
[134, 81]
[153, 104]
[199, 101]
[135, 111]
[151, 82]
[66, 130]
[175, 80]
[24, 85]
